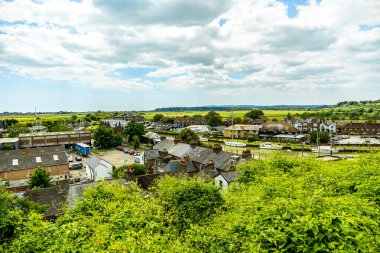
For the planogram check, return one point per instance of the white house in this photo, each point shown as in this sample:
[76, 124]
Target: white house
[325, 127]
[224, 179]
[200, 128]
[98, 169]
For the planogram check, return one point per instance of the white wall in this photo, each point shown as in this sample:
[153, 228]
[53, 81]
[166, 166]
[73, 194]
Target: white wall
[220, 180]
[102, 171]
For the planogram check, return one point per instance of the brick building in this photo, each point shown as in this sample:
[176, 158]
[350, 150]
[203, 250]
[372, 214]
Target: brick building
[33, 140]
[17, 165]
[361, 128]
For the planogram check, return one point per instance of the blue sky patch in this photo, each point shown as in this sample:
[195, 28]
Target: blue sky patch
[365, 27]
[133, 72]
[222, 22]
[292, 6]
[238, 76]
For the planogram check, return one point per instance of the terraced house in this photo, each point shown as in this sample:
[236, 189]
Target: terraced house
[241, 131]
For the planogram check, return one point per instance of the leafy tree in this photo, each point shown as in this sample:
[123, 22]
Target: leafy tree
[213, 118]
[323, 137]
[138, 169]
[40, 178]
[158, 117]
[17, 129]
[105, 137]
[189, 202]
[136, 142]
[6, 146]
[188, 135]
[133, 129]
[255, 114]
[14, 210]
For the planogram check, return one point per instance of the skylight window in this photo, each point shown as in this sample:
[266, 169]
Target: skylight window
[55, 157]
[15, 162]
[38, 159]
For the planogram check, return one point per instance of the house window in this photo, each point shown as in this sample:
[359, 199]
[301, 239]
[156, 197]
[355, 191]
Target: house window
[38, 159]
[55, 158]
[220, 183]
[15, 162]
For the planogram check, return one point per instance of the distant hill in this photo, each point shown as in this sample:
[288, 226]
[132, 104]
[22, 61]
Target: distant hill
[239, 107]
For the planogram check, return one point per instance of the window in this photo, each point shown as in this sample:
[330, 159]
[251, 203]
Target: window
[38, 159]
[55, 158]
[15, 162]
[220, 183]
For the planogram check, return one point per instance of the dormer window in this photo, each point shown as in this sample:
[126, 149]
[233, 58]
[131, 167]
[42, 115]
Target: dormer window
[55, 158]
[38, 159]
[15, 162]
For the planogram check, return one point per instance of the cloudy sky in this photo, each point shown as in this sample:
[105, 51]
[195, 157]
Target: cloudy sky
[142, 54]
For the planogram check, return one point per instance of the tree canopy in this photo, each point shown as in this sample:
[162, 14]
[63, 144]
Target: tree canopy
[133, 129]
[213, 118]
[276, 205]
[105, 137]
[158, 117]
[187, 135]
[255, 114]
[40, 178]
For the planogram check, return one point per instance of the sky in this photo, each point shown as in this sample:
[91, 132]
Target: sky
[123, 55]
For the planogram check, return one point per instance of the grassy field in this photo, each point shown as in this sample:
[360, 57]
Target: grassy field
[271, 114]
[44, 117]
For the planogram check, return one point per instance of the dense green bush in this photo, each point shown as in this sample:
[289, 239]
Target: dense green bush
[277, 205]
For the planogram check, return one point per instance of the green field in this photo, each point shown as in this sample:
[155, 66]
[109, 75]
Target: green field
[271, 114]
[43, 117]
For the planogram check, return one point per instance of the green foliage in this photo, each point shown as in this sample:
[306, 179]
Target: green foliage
[276, 205]
[134, 129]
[6, 146]
[188, 135]
[138, 169]
[251, 138]
[105, 137]
[255, 114]
[119, 172]
[158, 117]
[14, 210]
[16, 129]
[136, 142]
[40, 178]
[188, 202]
[213, 118]
[323, 137]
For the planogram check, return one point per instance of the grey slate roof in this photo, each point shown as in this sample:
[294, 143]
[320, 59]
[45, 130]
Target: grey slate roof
[230, 176]
[26, 158]
[55, 197]
[172, 166]
[93, 161]
[222, 160]
[164, 145]
[152, 154]
[179, 150]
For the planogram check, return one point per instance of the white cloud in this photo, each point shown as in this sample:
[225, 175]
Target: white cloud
[321, 49]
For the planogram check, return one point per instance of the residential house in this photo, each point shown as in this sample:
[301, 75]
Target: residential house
[250, 121]
[361, 129]
[17, 165]
[271, 129]
[151, 137]
[187, 121]
[224, 179]
[241, 131]
[200, 128]
[328, 127]
[306, 126]
[98, 169]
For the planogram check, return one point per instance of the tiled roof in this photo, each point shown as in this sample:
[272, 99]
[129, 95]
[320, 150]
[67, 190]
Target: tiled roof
[164, 145]
[150, 135]
[12, 160]
[152, 154]
[230, 176]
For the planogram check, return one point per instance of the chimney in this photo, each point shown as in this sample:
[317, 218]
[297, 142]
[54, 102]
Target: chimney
[217, 148]
[177, 140]
[210, 165]
[183, 163]
[246, 154]
[193, 143]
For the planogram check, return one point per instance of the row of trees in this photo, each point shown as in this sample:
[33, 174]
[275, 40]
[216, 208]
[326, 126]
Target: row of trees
[277, 205]
[106, 137]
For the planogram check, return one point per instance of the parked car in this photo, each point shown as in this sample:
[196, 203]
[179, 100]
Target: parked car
[76, 166]
[131, 151]
[120, 148]
[78, 158]
[126, 150]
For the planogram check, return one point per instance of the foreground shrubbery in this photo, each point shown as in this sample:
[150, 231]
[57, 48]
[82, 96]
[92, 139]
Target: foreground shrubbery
[280, 204]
